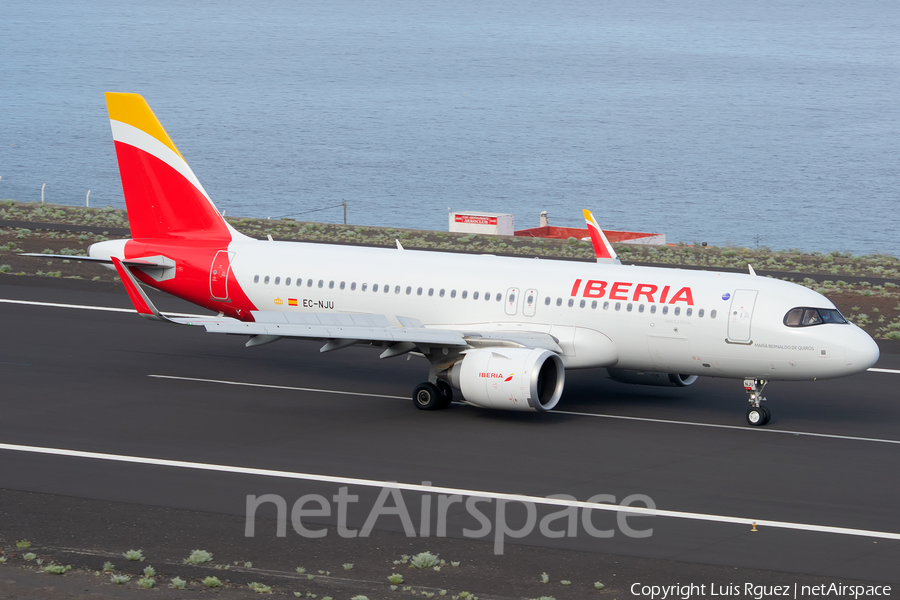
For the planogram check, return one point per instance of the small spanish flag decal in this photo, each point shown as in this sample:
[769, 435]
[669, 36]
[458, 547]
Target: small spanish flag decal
[292, 302]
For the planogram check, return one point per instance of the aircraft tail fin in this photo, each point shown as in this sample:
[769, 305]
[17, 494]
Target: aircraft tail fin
[602, 248]
[163, 196]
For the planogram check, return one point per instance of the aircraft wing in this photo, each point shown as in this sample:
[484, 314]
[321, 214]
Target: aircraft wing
[338, 329]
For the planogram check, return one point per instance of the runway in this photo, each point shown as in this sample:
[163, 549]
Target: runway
[145, 403]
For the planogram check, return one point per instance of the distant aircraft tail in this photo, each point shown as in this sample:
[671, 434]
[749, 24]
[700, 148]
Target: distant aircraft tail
[163, 196]
[602, 248]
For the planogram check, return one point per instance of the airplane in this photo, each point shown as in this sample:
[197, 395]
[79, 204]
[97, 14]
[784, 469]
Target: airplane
[502, 331]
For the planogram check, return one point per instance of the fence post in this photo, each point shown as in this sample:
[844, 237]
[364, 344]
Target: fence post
[42, 192]
[87, 201]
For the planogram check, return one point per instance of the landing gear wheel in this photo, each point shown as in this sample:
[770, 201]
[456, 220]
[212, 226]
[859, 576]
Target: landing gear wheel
[757, 416]
[766, 415]
[446, 393]
[427, 396]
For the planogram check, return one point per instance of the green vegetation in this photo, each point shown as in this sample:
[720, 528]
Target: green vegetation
[424, 560]
[198, 557]
[178, 583]
[212, 582]
[133, 555]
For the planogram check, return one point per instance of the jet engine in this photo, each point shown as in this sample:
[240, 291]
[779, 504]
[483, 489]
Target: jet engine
[528, 379]
[651, 378]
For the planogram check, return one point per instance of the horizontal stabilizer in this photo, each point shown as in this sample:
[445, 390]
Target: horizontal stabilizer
[131, 262]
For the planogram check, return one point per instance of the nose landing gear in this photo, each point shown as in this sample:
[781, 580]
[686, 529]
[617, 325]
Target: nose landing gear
[757, 415]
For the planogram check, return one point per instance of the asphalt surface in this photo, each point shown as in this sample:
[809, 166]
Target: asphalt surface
[83, 380]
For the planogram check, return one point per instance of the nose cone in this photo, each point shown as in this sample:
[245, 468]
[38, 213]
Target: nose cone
[861, 351]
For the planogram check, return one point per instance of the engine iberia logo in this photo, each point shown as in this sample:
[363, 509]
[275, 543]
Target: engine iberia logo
[489, 375]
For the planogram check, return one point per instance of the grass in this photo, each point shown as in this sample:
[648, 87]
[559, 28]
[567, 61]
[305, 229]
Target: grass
[22, 544]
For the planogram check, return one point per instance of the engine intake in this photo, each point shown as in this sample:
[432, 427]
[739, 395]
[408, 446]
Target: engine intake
[651, 378]
[528, 379]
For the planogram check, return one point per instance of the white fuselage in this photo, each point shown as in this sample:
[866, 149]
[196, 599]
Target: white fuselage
[724, 324]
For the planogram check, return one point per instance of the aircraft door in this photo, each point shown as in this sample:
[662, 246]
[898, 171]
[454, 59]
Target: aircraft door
[512, 301]
[740, 315]
[530, 302]
[218, 275]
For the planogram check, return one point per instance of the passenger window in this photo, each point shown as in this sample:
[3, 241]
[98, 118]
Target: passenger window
[547, 301]
[321, 283]
[374, 287]
[677, 310]
[287, 281]
[408, 290]
[309, 283]
[342, 285]
[499, 297]
[640, 308]
[652, 309]
[606, 306]
[559, 301]
[453, 293]
[256, 279]
[431, 291]
[582, 303]
[594, 304]
[628, 308]
[441, 293]
[465, 294]
[396, 289]
[365, 285]
[474, 295]
[712, 314]
[689, 311]
[266, 280]
[299, 281]
[487, 296]
[353, 286]
[700, 313]
[419, 292]
[277, 280]
[665, 310]
[618, 305]
[331, 285]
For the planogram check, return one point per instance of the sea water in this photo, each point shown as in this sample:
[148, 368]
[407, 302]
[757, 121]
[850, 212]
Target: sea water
[745, 123]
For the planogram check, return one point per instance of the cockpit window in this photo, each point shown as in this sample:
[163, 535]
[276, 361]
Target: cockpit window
[805, 317]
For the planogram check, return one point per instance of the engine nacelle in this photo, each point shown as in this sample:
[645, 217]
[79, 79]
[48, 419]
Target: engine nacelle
[509, 378]
[651, 378]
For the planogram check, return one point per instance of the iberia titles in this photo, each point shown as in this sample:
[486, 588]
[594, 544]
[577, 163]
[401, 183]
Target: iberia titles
[641, 292]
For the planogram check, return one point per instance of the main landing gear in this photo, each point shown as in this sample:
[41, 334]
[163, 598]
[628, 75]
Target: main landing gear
[757, 415]
[431, 396]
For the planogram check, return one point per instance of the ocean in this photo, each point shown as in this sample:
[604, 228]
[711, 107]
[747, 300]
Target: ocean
[733, 123]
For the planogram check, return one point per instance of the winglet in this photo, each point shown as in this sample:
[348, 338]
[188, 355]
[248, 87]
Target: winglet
[602, 248]
[138, 297]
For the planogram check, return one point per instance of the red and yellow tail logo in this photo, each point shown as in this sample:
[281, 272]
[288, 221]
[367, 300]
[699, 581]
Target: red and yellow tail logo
[163, 196]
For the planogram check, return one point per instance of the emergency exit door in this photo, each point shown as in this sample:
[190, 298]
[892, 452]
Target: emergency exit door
[218, 275]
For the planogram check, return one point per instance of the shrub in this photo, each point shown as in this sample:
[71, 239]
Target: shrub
[119, 579]
[29, 556]
[133, 555]
[259, 588]
[108, 567]
[57, 569]
[178, 583]
[424, 560]
[198, 557]
[395, 578]
[212, 582]
[146, 582]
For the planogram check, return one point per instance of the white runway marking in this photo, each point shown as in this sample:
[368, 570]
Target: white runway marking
[432, 489]
[88, 307]
[560, 412]
[278, 387]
